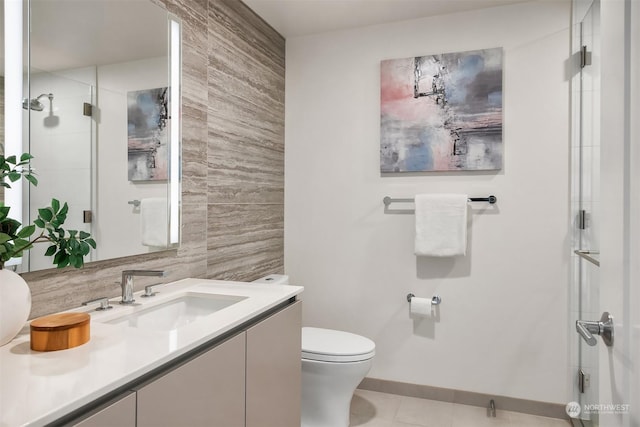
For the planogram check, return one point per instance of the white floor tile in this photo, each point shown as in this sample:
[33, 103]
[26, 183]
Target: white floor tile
[526, 420]
[467, 416]
[401, 424]
[423, 412]
[372, 404]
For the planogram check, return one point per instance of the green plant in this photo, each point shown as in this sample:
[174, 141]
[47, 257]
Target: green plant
[68, 247]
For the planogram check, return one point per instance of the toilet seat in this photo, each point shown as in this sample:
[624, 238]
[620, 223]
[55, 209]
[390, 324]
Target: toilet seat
[327, 345]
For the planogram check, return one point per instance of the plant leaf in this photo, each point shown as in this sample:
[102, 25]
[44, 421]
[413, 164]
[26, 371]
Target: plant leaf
[57, 259]
[46, 214]
[55, 205]
[84, 248]
[32, 179]
[51, 250]
[64, 262]
[4, 238]
[27, 231]
[10, 226]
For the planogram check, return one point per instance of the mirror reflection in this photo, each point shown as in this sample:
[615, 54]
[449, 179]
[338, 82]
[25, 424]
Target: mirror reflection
[96, 118]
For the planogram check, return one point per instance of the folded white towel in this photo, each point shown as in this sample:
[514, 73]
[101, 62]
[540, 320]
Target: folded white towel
[441, 224]
[153, 222]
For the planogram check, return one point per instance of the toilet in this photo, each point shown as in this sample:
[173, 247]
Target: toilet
[333, 364]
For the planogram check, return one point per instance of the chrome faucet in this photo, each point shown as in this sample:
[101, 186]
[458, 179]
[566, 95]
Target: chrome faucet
[127, 282]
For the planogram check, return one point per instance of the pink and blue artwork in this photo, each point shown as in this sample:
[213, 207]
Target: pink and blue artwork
[441, 112]
[147, 146]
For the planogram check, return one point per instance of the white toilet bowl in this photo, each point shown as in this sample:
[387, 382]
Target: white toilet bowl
[333, 364]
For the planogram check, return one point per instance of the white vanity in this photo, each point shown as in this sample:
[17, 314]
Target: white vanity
[199, 352]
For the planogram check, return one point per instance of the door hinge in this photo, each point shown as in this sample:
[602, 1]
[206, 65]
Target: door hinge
[584, 380]
[585, 57]
[87, 109]
[87, 217]
[582, 219]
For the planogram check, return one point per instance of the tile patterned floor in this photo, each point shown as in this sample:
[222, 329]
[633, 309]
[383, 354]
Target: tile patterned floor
[374, 409]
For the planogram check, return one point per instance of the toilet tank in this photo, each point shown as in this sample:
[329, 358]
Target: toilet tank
[274, 279]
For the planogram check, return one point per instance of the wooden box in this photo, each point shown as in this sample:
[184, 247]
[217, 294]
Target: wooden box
[60, 331]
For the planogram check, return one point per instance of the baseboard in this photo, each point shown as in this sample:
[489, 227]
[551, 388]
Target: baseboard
[505, 403]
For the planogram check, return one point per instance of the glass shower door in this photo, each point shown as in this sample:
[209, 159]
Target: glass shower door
[61, 141]
[586, 206]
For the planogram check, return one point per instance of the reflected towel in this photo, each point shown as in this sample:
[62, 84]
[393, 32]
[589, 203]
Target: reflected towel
[441, 224]
[153, 222]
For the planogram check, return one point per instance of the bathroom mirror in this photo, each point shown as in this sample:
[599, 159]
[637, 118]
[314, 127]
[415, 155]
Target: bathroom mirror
[100, 113]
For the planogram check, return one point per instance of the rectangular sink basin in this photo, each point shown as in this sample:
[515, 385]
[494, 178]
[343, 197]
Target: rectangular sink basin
[177, 312]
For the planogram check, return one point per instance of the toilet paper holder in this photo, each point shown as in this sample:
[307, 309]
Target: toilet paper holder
[435, 300]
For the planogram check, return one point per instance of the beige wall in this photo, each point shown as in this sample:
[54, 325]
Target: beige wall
[232, 161]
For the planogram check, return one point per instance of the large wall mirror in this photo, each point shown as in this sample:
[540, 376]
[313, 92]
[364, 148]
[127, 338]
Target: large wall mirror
[100, 114]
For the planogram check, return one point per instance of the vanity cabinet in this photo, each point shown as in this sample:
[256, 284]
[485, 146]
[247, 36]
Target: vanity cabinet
[121, 413]
[206, 391]
[251, 379]
[274, 370]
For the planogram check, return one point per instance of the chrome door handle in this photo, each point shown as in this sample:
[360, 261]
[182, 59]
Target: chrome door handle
[604, 328]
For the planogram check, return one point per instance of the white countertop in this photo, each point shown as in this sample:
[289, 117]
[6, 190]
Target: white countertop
[37, 388]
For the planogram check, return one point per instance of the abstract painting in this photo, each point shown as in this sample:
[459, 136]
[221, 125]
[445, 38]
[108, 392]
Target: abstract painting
[441, 112]
[147, 134]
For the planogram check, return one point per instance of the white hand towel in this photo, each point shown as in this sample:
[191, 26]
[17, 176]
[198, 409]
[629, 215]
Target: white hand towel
[441, 224]
[153, 222]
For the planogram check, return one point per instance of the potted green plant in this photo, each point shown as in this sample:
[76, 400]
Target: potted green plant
[68, 247]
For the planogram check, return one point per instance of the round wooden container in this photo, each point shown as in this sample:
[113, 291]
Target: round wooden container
[60, 331]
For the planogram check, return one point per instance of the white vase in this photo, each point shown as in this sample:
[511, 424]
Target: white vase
[15, 305]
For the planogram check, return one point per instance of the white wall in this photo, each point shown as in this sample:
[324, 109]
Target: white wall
[503, 319]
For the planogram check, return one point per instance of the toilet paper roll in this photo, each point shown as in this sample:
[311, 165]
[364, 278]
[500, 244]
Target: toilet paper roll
[421, 307]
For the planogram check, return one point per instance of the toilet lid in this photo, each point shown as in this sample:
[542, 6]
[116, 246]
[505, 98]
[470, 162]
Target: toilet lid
[335, 346]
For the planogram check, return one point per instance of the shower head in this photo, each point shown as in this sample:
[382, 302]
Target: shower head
[35, 104]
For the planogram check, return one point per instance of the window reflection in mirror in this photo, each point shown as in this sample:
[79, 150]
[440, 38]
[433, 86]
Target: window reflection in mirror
[97, 121]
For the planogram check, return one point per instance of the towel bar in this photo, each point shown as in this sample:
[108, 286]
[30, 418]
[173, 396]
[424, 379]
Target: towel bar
[491, 199]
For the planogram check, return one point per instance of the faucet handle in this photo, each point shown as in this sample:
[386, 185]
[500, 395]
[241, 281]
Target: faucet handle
[104, 303]
[148, 290]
